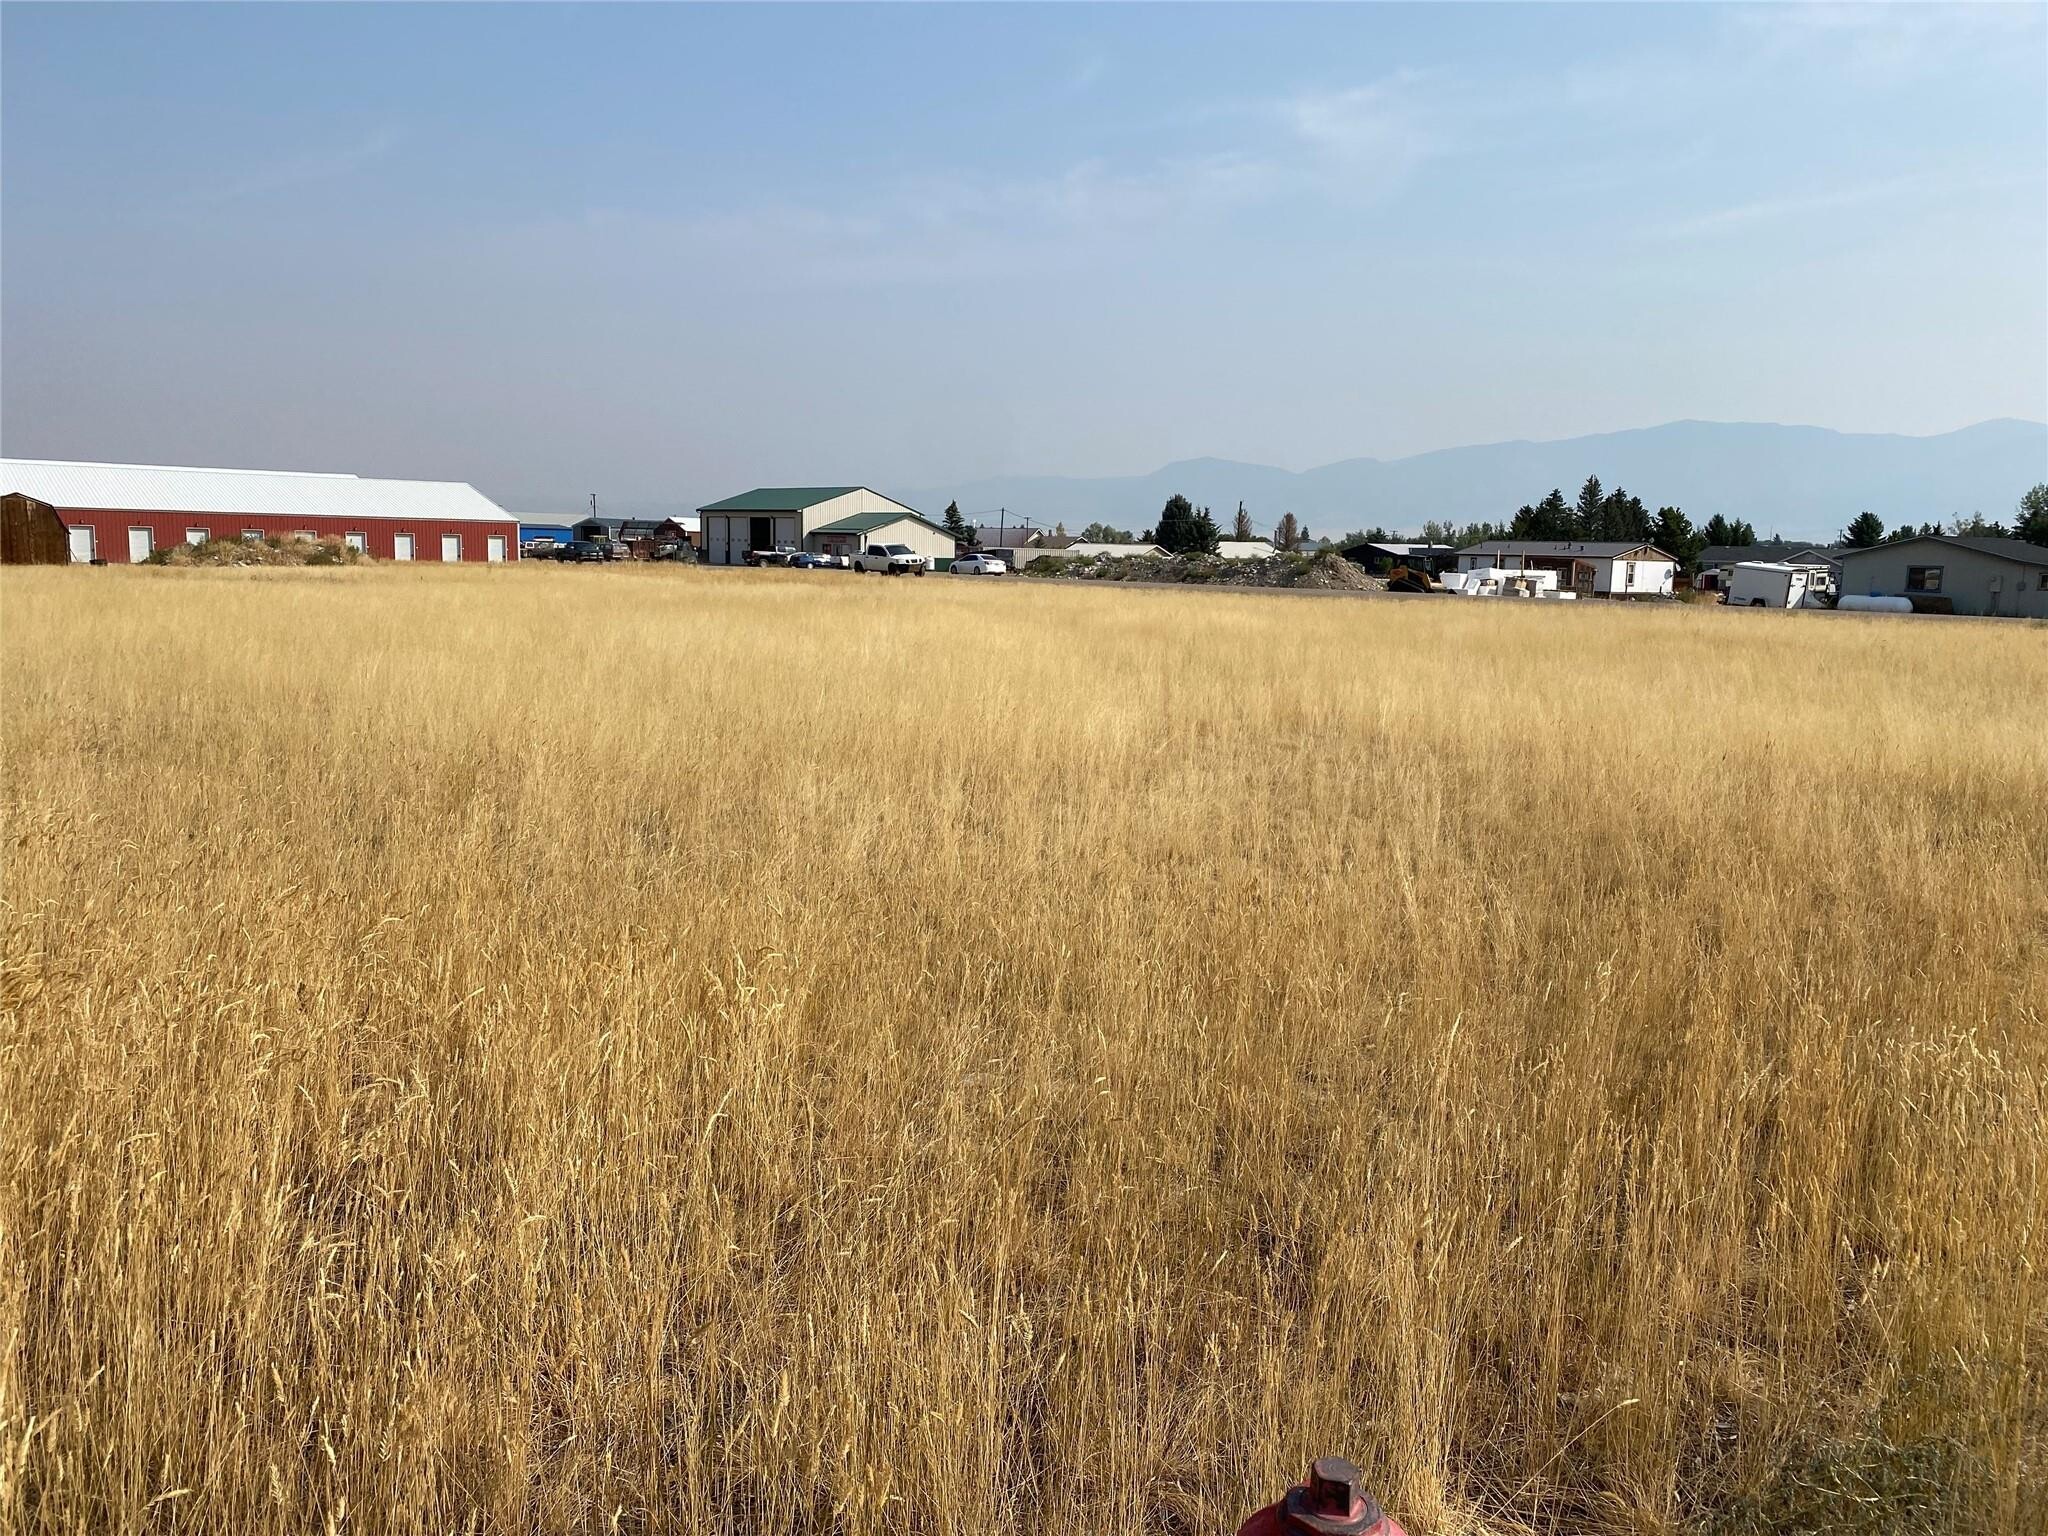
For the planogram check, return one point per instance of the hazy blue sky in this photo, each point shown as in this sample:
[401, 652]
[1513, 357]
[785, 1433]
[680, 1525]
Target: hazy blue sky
[659, 251]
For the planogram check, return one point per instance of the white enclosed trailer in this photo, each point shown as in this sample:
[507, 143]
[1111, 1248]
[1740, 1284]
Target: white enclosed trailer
[1766, 584]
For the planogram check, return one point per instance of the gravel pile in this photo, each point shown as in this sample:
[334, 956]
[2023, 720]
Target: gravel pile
[1323, 573]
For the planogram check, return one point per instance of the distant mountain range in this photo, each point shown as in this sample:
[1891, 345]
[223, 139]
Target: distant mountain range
[1802, 482]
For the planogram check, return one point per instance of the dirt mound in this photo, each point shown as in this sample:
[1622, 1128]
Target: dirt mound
[261, 552]
[1327, 572]
[1333, 573]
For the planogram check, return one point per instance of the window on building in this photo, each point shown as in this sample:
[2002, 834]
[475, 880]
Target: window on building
[359, 542]
[1628, 577]
[196, 535]
[252, 535]
[1923, 578]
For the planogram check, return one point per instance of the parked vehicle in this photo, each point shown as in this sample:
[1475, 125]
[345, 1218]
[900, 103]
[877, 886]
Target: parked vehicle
[980, 565]
[894, 559]
[671, 549]
[580, 551]
[1766, 584]
[781, 554]
[617, 549]
[832, 562]
[1412, 578]
[804, 560]
[539, 549]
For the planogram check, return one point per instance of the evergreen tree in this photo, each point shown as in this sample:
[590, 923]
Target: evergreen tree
[1176, 530]
[2030, 518]
[1866, 530]
[1286, 532]
[1550, 518]
[1241, 527]
[1204, 535]
[1586, 514]
[1718, 531]
[1744, 534]
[958, 526]
[1675, 536]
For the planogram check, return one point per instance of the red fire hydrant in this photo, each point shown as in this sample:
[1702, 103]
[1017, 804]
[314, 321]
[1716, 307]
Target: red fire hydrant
[1328, 1502]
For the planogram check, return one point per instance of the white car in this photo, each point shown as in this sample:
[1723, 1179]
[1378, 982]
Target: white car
[832, 562]
[893, 559]
[980, 565]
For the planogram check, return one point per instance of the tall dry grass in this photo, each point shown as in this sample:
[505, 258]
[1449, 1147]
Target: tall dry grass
[574, 1050]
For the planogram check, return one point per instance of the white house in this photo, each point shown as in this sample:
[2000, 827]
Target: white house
[1596, 569]
[824, 519]
[1246, 549]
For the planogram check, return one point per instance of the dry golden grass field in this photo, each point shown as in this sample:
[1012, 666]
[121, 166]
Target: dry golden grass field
[527, 1049]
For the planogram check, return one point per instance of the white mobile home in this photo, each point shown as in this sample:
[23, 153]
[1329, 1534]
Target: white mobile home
[1599, 569]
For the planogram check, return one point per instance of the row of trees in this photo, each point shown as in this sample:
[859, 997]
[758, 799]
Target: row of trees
[1596, 514]
[2029, 523]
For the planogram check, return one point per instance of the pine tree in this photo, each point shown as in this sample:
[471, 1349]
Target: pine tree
[1241, 527]
[958, 526]
[1865, 531]
[1286, 532]
[1204, 535]
[1675, 536]
[1586, 519]
[1176, 530]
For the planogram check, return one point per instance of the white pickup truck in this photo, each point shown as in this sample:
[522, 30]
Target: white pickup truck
[894, 559]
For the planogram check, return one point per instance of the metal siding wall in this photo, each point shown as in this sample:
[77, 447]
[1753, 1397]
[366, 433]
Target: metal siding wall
[1965, 577]
[110, 530]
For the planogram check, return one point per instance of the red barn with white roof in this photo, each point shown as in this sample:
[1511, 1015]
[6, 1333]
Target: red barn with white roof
[120, 513]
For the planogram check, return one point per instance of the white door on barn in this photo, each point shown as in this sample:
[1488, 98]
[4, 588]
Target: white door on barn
[138, 545]
[451, 546]
[81, 545]
[494, 549]
[359, 542]
[401, 546]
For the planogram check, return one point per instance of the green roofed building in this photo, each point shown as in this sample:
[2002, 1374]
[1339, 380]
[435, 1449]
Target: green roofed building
[824, 519]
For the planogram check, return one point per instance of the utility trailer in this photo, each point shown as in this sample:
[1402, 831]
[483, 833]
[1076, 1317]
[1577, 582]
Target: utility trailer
[1767, 584]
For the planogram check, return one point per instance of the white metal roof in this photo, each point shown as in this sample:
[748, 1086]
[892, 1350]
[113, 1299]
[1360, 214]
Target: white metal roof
[235, 492]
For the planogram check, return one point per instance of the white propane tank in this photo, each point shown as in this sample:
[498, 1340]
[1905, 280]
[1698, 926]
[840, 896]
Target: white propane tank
[1850, 603]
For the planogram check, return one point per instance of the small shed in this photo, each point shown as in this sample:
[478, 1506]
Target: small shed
[1381, 556]
[31, 532]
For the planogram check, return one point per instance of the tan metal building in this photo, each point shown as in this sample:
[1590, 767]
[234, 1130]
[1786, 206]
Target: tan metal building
[824, 519]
